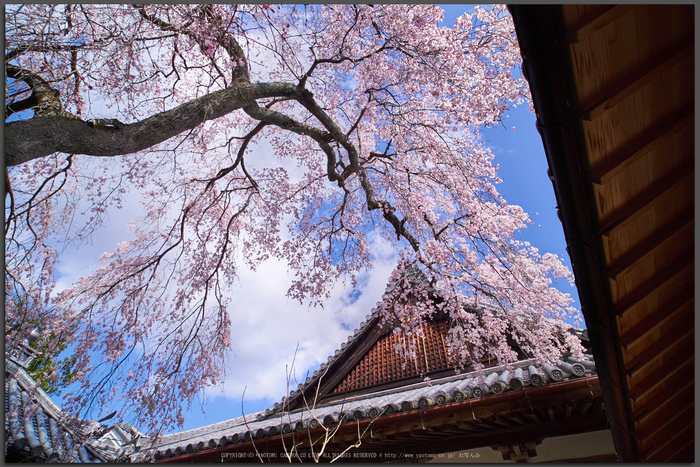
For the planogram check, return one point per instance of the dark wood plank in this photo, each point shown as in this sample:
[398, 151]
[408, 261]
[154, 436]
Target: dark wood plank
[517, 418]
[594, 422]
[654, 420]
[468, 426]
[669, 341]
[676, 444]
[668, 275]
[646, 200]
[686, 453]
[585, 405]
[662, 314]
[671, 375]
[647, 73]
[593, 25]
[648, 246]
[664, 434]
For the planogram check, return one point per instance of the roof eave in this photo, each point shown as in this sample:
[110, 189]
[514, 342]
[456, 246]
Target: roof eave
[544, 60]
[400, 418]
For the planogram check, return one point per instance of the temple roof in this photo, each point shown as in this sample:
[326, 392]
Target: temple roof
[36, 429]
[365, 379]
[418, 396]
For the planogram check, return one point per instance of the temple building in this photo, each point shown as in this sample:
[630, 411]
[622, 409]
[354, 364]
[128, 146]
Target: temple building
[368, 403]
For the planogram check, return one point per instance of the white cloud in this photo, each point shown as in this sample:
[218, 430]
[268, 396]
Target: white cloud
[267, 326]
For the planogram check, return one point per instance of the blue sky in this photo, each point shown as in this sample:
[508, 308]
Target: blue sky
[268, 327]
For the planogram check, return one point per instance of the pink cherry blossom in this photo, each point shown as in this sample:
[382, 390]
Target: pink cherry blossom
[378, 110]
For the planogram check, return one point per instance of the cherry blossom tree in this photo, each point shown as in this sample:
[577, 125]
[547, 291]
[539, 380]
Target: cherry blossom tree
[378, 109]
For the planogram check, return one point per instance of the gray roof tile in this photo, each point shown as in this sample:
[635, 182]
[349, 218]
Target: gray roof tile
[38, 428]
[378, 401]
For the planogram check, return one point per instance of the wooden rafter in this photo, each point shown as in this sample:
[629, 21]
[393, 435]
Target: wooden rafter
[653, 420]
[662, 278]
[671, 448]
[585, 405]
[550, 411]
[648, 246]
[488, 424]
[670, 342]
[664, 313]
[593, 422]
[670, 376]
[647, 199]
[569, 409]
[648, 140]
[517, 418]
[678, 379]
[628, 86]
[593, 25]
[635, 283]
[687, 452]
[664, 434]
[501, 421]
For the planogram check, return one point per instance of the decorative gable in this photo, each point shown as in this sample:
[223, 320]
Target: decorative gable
[368, 361]
[382, 365]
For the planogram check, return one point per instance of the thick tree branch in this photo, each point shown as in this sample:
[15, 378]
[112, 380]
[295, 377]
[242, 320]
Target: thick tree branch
[37, 137]
[19, 106]
[283, 121]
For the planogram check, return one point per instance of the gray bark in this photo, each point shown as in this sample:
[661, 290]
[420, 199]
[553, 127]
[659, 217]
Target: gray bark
[26, 140]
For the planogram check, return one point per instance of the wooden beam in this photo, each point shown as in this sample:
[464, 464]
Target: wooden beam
[665, 433]
[591, 26]
[421, 434]
[662, 314]
[550, 411]
[666, 374]
[648, 423]
[646, 74]
[646, 200]
[585, 405]
[653, 398]
[487, 424]
[501, 421]
[468, 426]
[517, 418]
[533, 416]
[685, 453]
[637, 147]
[668, 275]
[648, 246]
[680, 440]
[667, 342]
[513, 435]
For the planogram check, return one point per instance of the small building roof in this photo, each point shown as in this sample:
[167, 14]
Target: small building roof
[36, 428]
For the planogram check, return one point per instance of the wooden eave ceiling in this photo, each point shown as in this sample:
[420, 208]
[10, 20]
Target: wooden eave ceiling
[625, 116]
